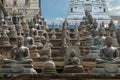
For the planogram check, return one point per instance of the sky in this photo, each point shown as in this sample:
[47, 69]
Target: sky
[56, 10]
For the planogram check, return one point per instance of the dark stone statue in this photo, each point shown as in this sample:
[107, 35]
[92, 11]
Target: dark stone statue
[29, 41]
[73, 63]
[19, 62]
[19, 54]
[2, 9]
[73, 60]
[108, 54]
[109, 60]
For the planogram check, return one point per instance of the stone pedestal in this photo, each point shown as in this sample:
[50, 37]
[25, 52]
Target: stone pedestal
[73, 69]
[49, 67]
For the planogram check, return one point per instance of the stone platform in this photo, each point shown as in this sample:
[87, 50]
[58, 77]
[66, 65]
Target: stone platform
[63, 76]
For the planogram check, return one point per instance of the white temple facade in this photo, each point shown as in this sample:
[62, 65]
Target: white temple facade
[97, 8]
[28, 7]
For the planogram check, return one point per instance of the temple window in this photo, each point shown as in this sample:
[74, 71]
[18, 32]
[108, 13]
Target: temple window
[71, 9]
[15, 3]
[27, 2]
[104, 10]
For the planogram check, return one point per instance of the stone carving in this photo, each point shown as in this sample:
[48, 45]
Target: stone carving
[109, 53]
[102, 28]
[82, 26]
[19, 28]
[47, 48]
[29, 42]
[4, 39]
[115, 41]
[93, 30]
[65, 31]
[111, 68]
[19, 61]
[86, 39]
[53, 37]
[53, 28]
[111, 27]
[49, 67]
[99, 41]
[2, 9]
[12, 32]
[76, 31]
[88, 20]
[20, 53]
[38, 39]
[66, 43]
[109, 61]
[72, 60]
[41, 36]
[88, 17]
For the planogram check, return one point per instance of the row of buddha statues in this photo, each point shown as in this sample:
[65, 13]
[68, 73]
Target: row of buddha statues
[20, 60]
[101, 42]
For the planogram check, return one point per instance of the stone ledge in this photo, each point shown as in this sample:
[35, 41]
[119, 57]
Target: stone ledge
[78, 76]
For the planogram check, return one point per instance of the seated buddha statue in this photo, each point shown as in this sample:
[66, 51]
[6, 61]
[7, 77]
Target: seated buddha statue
[19, 54]
[4, 39]
[99, 40]
[47, 48]
[108, 54]
[73, 63]
[29, 41]
[73, 60]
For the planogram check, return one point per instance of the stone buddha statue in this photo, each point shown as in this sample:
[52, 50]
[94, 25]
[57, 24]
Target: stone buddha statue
[65, 31]
[108, 54]
[47, 48]
[19, 54]
[82, 26]
[41, 36]
[76, 31]
[30, 43]
[19, 61]
[111, 27]
[12, 32]
[38, 40]
[115, 40]
[99, 40]
[2, 9]
[88, 19]
[25, 27]
[102, 28]
[93, 30]
[53, 28]
[32, 29]
[4, 39]
[19, 28]
[86, 39]
[53, 37]
[73, 62]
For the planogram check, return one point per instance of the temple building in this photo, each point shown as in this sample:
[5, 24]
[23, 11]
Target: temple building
[97, 8]
[25, 6]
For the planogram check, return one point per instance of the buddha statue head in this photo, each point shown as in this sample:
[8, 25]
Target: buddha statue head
[73, 53]
[108, 41]
[20, 40]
